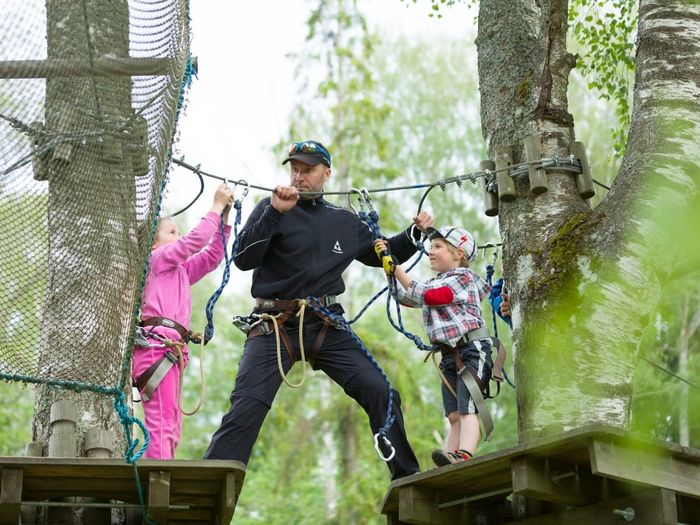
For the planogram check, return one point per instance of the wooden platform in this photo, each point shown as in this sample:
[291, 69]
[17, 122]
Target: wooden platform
[588, 476]
[175, 491]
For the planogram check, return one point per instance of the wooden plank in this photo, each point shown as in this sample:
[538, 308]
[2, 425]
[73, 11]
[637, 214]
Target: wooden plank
[158, 496]
[198, 485]
[655, 507]
[101, 66]
[566, 484]
[227, 501]
[419, 506]
[490, 472]
[651, 466]
[10, 495]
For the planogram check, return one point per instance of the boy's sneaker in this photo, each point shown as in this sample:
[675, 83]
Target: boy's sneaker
[442, 457]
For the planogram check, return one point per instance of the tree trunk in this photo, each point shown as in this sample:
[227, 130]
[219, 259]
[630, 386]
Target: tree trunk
[93, 249]
[584, 282]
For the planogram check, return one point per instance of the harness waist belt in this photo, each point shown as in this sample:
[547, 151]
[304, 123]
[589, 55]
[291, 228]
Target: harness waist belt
[291, 304]
[185, 334]
[475, 335]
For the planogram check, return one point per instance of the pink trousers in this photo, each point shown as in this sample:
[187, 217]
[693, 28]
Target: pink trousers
[162, 415]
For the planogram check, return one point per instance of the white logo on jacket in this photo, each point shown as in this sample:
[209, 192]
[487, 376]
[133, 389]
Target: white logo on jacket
[336, 248]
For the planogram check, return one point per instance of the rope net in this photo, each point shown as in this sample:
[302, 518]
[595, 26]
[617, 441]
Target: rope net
[89, 98]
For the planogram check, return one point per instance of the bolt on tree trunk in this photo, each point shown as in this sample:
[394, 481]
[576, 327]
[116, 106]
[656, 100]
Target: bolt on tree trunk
[93, 249]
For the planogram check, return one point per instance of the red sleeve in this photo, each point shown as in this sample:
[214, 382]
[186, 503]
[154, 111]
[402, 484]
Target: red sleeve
[439, 296]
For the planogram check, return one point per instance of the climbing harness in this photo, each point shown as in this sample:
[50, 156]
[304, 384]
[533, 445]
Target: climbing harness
[149, 380]
[266, 323]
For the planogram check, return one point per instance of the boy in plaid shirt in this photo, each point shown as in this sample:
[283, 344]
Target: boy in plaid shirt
[453, 320]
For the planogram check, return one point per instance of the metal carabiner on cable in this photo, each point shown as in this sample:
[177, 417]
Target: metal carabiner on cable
[388, 444]
[246, 189]
[493, 246]
[367, 199]
[360, 199]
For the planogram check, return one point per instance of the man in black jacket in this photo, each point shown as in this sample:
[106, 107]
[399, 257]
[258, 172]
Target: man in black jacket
[298, 246]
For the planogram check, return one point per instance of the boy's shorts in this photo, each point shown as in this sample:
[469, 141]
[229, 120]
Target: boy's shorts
[475, 355]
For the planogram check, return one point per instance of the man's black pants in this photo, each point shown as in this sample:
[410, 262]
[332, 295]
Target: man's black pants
[340, 358]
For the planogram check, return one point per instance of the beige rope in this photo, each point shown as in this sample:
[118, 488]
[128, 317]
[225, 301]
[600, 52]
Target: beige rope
[442, 376]
[273, 318]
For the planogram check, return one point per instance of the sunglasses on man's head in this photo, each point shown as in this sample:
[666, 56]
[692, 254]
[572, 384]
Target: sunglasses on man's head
[309, 148]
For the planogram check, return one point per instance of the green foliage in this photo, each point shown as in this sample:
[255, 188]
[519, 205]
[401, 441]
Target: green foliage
[660, 398]
[437, 5]
[15, 417]
[605, 33]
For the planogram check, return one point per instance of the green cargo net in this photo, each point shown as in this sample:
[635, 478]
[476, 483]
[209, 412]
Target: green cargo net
[89, 97]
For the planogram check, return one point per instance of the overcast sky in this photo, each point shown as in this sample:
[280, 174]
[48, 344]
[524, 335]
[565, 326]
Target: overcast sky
[239, 105]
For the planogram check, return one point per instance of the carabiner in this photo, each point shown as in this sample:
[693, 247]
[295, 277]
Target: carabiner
[388, 444]
[493, 246]
[367, 199]
[362, 204]
[246, 189]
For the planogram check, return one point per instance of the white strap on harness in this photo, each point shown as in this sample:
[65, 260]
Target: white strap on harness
[163, 368]
[479, 401]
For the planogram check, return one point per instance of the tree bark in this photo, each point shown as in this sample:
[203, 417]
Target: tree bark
[584, 282]
[93, 249]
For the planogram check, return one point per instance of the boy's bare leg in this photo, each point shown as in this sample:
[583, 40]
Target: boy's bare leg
[453, 437]
[469, 432]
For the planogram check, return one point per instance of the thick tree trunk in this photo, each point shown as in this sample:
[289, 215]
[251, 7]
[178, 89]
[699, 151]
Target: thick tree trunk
[93, 252]
[584, 282]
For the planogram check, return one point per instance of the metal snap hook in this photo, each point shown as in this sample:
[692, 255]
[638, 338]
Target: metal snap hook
[367, 199]
[388, 444]
[246, 189]
[359, 193]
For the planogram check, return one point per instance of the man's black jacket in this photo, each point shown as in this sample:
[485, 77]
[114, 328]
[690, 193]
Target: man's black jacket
[304, 251]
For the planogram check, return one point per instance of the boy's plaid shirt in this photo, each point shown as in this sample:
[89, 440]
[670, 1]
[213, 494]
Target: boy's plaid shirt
[447, 323]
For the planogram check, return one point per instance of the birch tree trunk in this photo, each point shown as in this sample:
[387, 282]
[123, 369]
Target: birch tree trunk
[585, 281]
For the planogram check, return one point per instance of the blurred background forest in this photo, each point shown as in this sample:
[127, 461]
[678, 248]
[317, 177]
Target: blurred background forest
[393, 110]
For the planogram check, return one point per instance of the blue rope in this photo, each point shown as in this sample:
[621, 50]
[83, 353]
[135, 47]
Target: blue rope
[494, 306]
[341, 322]
[372, 221]
[421, 251]
[228, 259]
[399, 327]
[131, 455]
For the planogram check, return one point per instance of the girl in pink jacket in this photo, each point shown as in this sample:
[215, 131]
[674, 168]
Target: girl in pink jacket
[176, 263]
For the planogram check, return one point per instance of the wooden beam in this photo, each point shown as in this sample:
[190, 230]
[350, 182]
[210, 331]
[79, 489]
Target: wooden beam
[392, 518]
[227, 502]
[69, 68]
[688, 509]
[158, 496]
[419, 506]
[535, 478]
[10, 495]
[655, 507]
[647, 465]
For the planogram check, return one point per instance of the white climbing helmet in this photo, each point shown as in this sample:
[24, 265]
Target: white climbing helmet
[459, 238]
